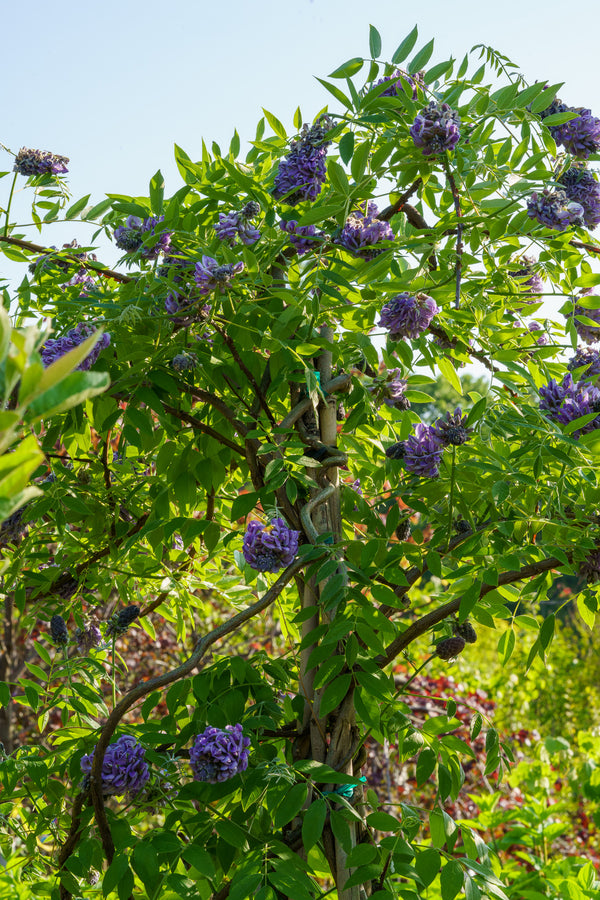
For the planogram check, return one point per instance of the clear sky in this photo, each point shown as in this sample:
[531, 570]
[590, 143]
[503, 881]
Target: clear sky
[113, 84]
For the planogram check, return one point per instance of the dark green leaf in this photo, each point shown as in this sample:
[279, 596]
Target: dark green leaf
[406, 46]
[374, 42]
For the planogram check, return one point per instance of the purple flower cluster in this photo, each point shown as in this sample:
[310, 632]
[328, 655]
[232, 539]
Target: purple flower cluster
[54, 348]
[580, 186]
[87, 637]
[301, 174]
[303, 238]
[565, 402]
[543, 339]
[210, 276]
[423, 452]
[363, 230]
[394, 390]
[397, 81]
[436, 129]
[588, 358]
[408, 315]
[13, 529]
[234, 225]
[580, 136]
[184, 362]
[269, 548]
[451, 429]
[590, 334]
[132, 236]
[529, 281]
[555, 210]
[124, 768]
[39, 162]
[218, 755]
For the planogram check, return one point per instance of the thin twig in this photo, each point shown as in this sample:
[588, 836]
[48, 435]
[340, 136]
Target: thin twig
[205, 429]
[459, 231]
[257, 389]
[402, 641]
[82, 263]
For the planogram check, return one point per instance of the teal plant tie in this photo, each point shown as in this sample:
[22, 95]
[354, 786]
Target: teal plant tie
[344, 790]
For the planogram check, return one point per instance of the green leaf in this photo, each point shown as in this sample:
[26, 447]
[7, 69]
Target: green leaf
[275, 124]
[334, 693]
[374, 42]
[145, 864]
[426, 764]
[383, 822]
[428, 863]
[291, 805]
[197, 856]
[406, 46]
[451, 879]
[346, 146]
[349, 68]
[313, 822]
[76, 208]
[449, 373]
[115, 873]
[422, 58]
[337, 93]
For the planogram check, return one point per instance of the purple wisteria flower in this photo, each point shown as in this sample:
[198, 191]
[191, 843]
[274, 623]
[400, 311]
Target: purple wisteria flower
[397, 81]
[218, 755]
[234, 225]
[543, 339]
[580, 185]
[565, 402]
[408, 315]
[363, 230]
[529, 280]
[423, 452]
[124, 768]
[585, 357]
[301, 174]
[269, 548]
[210, 276]
[588, 333]
[303, 238]
[184, 362]
[87, 637]
[54, 348]
[13, 529]
[133, 235]
[393, 390]
[436, 129]
[451, 429]
[580, 136]
[39, 162]
[553, 209]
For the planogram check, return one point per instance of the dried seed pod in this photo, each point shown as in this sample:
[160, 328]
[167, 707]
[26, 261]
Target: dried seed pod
[58, 630]
[466, 631]
[403, 530]
[450, 647]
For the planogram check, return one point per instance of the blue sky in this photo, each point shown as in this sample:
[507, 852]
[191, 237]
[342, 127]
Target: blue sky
[113, 85]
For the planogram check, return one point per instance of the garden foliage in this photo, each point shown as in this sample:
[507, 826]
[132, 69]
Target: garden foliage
[232, 480]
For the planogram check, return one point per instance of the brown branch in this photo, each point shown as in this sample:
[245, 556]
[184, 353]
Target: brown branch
[205, 429]
[591, 248]
[212, 399]
[459, 231]
[72, 840]
[400, 203]
[257, 388]
[82, 263]
[402, 641]
[161, 681]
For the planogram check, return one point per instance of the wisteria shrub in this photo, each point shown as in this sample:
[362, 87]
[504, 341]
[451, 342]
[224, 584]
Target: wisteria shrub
[241, 543]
